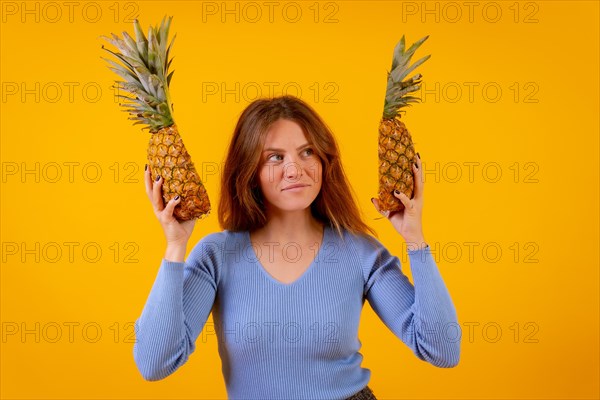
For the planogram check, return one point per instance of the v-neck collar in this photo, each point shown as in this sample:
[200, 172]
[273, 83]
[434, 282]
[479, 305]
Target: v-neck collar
[312, 265]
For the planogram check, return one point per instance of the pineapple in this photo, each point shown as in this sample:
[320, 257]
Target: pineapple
[146, 77]
[396, 149]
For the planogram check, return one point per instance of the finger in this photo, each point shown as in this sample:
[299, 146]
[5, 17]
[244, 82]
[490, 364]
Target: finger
[403, 198]
[418, 177]
[171, 205]
[157, 199]
[375, 203]
[148, 181]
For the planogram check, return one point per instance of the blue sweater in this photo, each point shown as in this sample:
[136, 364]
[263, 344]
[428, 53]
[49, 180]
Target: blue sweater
[297, 340]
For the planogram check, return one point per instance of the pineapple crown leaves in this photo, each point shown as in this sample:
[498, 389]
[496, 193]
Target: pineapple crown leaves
[144, 70]
[398, 87]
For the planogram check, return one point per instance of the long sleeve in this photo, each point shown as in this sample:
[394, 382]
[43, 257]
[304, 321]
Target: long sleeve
[422, 316]
[176, 311]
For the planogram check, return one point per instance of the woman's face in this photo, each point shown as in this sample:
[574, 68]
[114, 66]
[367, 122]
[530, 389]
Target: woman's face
[289, 171]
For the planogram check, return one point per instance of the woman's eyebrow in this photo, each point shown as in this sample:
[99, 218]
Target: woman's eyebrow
[299, 148]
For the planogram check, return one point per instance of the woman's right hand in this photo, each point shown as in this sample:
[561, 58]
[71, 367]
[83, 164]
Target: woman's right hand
[176, 233]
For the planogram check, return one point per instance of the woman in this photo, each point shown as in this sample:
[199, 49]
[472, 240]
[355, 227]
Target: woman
[287, 277]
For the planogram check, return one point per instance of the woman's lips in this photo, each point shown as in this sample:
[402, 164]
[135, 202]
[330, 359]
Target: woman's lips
[295, 187]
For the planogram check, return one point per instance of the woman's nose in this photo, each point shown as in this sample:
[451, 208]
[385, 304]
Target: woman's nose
[293, 170]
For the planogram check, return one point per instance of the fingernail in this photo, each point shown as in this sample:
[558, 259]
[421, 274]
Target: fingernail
[373, 200]
[177, 197]
[416, 166]
[146, 167]
[158, 178]
[396, 191]
[418, 156]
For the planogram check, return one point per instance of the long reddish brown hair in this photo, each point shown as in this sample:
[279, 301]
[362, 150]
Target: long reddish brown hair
[241, 204]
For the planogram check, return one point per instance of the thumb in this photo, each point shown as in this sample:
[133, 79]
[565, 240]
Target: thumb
[374, 201]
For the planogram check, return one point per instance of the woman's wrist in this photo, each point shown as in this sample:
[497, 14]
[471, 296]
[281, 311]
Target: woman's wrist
[175, 252]
[416, 244]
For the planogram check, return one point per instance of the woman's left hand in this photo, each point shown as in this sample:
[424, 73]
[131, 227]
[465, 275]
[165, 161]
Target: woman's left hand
[407, 222]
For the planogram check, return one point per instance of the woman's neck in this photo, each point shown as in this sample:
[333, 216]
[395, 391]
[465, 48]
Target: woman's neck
[298, 227]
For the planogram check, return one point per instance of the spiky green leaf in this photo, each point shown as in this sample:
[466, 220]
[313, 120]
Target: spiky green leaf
[398, 87]
[400, 74]
[145, 73]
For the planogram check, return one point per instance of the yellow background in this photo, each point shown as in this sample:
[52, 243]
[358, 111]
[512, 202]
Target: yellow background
[547, 310]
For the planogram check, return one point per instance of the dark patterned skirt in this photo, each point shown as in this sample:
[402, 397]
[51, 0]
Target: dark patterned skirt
[365, 394]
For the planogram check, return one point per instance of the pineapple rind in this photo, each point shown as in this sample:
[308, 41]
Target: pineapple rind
[396, 156]
[169, 158]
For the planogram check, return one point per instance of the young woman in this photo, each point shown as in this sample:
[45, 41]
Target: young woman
[287, 277]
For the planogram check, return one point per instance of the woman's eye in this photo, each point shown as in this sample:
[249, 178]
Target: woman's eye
[279, 157]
